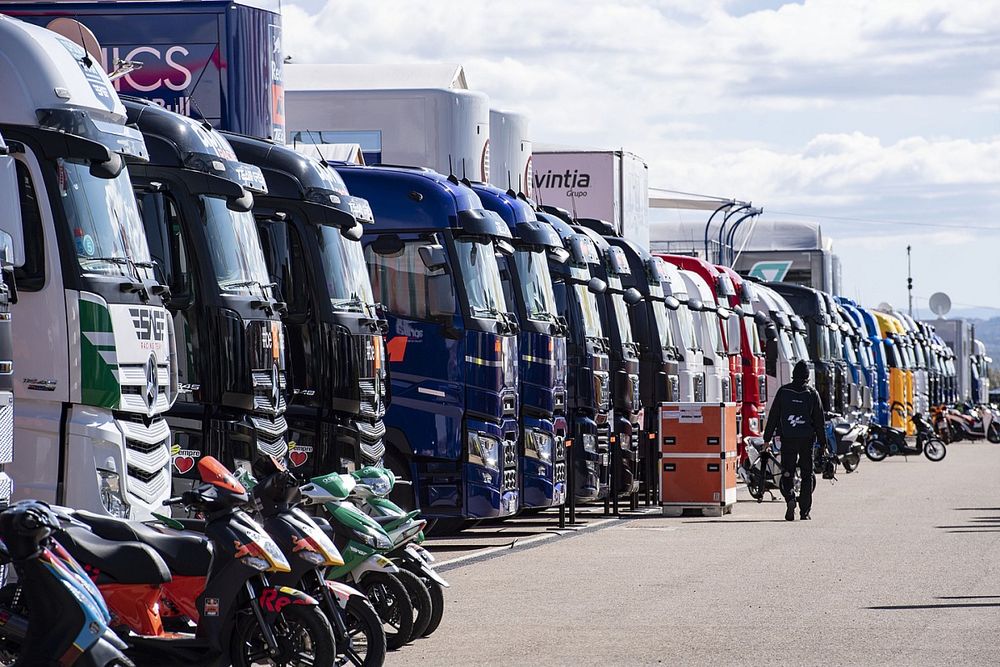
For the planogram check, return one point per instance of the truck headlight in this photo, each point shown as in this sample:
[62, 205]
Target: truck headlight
[538, 444]
[484, 451]
[110, 487]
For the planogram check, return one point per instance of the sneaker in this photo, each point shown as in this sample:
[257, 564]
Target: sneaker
[790, 512]
[805, 516]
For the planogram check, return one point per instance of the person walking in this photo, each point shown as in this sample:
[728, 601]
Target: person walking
[797, 417]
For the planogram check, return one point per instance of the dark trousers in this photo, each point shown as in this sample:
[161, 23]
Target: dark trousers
[797, 453]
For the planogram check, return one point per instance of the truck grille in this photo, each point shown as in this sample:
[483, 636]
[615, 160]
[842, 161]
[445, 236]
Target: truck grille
[726, 390]
[271, 435]
[699, 388]
[602, 389]
[371, 404]
[132, 378]
[509, 406]
[370, 437]
[509, 481]
[762, 388]
[510, 454]
[739, 387]
[603, 437]
[147, 459]
[6, 427]
[263, 393]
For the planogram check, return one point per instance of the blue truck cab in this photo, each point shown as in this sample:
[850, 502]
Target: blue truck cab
[542, 342]
[451, 341]
[880, 369]
[588, 399]
[867, 372]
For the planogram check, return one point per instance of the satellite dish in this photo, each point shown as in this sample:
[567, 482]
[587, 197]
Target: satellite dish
[79, 34]
[939, 304]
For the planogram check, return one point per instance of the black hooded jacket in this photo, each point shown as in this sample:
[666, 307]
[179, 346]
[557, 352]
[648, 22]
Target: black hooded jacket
[797, 411]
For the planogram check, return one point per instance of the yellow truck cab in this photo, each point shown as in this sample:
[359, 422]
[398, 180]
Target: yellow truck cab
[900, 370]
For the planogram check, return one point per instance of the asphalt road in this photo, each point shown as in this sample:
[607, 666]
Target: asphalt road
[899, 566]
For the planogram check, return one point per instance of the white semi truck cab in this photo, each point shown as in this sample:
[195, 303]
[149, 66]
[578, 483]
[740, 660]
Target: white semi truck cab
[10, 253]
[691, 366]
[706, 316]
[94, 344]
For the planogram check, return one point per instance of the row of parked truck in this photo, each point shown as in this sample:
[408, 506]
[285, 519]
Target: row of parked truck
[180, 292]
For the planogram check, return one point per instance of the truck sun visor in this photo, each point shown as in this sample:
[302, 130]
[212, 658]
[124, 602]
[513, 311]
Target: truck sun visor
[249, 176]
[114, 136]
[479, 222]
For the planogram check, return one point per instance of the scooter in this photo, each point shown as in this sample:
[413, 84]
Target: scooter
[360, 637]
[364, 543]
[53, 615]
[883, 441]
[369, 493]
[845, 441]
[217, 592]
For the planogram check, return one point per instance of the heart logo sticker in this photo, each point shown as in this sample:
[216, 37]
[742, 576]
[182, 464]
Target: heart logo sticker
[184, 460]
[298, 457]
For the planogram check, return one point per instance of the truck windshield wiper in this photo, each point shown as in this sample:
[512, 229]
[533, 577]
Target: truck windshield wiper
[121, 261]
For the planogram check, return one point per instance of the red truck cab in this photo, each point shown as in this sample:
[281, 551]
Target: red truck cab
[751, 354]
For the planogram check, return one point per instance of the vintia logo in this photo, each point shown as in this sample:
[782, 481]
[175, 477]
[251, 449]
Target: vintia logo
[568, 179]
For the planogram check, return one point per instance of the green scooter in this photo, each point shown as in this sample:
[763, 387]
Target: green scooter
[370, 493]
[400, 598]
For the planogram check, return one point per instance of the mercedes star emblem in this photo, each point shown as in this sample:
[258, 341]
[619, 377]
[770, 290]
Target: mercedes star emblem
[152, 382]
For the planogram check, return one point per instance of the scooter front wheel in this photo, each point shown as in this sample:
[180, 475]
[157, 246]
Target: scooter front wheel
[993, 435]
[365, 633]
[393, 606]
[303, 634]
[934, 449]
[420, 598]
[851, 462]
[436, 592]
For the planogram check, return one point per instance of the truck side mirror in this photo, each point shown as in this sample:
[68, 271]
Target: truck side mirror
[109, 168]
[671, 302]
[352, 233]
[440, 296]
[632, 296]
[10, 211]
[241, 204]
[761, 319]
[433, 256]
[597, 286]
[771, 332]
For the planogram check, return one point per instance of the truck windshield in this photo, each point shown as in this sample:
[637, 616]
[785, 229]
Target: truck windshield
[588, 311]
[536, 285]
[478, 269]
[892, 356]
[345, 271]
[836, 344]
[800, 345]
[104, 220]
[710, 327]
[234, 246]
[663, 325]
[621, 318]
[852, 358]
[785, 348]
[685, 328]
[753, 336]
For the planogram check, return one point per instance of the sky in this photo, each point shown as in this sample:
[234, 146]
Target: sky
[880, 120]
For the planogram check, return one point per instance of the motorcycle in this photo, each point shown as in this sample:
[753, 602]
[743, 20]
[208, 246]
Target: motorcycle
[364, 543]
[845, 441]
[360, 637]
[884, 441]
[369, 489]
[967, 423]
[68, 622]
[216, 606]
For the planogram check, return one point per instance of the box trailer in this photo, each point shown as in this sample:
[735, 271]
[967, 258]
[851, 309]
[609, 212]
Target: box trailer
[409, 115]
[787, 251]
[510, 151]
[221, 61]
[604, 185]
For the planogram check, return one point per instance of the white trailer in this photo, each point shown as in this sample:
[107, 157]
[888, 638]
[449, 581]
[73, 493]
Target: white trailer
[411, 115]
[510, 151]
[606, 185]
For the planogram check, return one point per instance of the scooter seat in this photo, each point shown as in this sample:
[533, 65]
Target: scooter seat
[185, 554]
[114, 561]
[384, 520]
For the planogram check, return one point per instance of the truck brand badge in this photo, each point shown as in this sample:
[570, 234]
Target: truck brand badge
[771, 271]
[370, 350]
[266, 339]
[211, 606]
[275, 386]
[36, 384]
[152, 382]
[184, 459]
[298, 454]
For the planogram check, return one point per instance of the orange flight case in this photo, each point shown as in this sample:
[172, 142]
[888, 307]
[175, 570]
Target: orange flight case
[698, 458]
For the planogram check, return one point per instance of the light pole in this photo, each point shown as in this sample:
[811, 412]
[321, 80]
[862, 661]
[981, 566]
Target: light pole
[909, 280]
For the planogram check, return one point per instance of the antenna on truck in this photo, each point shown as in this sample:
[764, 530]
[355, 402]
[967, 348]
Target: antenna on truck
[451, 171]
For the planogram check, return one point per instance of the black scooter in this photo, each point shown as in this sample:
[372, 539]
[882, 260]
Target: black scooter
[883, 441]
[68, 620]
